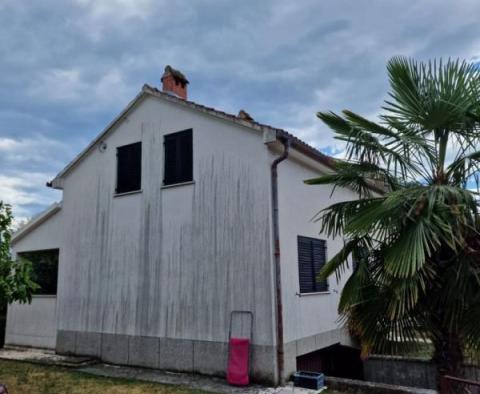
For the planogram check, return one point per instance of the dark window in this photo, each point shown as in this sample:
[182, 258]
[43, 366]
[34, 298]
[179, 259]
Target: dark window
[129, 168]
[312, 255]
[45, 270]
[178, 157]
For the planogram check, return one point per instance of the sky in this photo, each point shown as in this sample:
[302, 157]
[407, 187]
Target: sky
[67, 68]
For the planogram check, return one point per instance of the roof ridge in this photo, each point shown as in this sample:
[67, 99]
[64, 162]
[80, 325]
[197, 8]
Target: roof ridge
[296, 142]
[306, 148]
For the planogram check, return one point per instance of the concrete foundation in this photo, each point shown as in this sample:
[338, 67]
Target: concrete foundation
[402, 371]
[115, 348]
[408, 371]
[181, 355]
[88, 344]
[203, 362]
[175, 354]
[302, 346]
[143, 351]
[264, 364]
[362, 387]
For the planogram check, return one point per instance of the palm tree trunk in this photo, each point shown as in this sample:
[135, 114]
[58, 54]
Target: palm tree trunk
[448, 355]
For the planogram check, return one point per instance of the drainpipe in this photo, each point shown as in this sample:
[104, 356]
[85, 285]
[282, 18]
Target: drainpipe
[276, 256]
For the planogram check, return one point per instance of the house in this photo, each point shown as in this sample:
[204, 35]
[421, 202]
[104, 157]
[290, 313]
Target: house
[175, 216]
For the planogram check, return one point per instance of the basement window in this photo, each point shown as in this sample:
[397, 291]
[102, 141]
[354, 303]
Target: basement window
[312, 256]
[129, 168]
[178, 165]
[44, 269]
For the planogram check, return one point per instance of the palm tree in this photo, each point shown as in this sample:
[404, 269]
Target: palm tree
[417, 246]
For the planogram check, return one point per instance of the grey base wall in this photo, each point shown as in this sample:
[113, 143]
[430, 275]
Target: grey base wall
[407, 371]
[362, 387]
[305, 345]
[182, 355]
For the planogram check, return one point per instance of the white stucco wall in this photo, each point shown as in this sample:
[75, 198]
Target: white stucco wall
[174, 262]
[35, 324]
[306, 315]
[48, 235]
[169, 262]
[32, 324]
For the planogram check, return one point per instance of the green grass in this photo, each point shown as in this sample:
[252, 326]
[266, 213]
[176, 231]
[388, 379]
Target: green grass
[26, 378]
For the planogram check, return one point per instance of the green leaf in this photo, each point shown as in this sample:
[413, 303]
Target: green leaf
[418, 245]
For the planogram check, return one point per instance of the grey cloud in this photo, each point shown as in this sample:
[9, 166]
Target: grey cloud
[67, 68]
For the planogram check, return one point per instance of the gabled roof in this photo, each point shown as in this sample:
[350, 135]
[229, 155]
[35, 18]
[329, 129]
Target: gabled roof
[36, 221]
[280, 133]
[147, 90]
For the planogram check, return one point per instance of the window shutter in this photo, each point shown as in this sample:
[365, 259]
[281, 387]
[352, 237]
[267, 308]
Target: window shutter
[129, 168]
[186, 156]
[171, 166]
[178, 157]
[305, 265]
[319, 251]
[311, 258]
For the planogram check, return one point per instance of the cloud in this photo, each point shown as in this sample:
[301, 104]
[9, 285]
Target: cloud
[29, 153]
[19, 188]
[122, 9]
[61, 86]
[27, 164]
[67, 68]
[22, 190]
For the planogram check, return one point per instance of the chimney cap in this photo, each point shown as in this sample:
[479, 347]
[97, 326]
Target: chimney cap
[242, 114]
[176, 74]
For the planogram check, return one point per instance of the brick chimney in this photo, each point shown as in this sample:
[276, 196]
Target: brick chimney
[174, 82]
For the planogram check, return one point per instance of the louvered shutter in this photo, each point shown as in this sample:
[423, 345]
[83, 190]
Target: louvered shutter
[186, 156]
[311, 258]
[305, 265]
[319, 253]
[178, 157]
[171, 166]
[129, 168]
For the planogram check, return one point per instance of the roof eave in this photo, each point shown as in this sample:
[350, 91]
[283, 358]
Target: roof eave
[318, 156]
[279, 134]
[57, 182]
[36, 221]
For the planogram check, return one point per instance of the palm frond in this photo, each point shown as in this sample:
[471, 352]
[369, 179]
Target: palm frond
[417, 246]
[434, 95]
[359, 177]
[334, 218]
[339, 263]
[461, 169]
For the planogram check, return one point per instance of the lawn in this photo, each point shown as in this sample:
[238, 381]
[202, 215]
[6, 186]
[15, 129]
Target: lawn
[25, 378]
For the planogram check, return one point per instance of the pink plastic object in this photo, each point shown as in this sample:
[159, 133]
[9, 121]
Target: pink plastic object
[237, 370]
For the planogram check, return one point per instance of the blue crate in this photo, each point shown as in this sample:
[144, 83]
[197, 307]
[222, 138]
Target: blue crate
[309, 380]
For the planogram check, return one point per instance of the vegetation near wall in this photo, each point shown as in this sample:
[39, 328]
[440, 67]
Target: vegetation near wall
[416, 247]
[15, 276]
